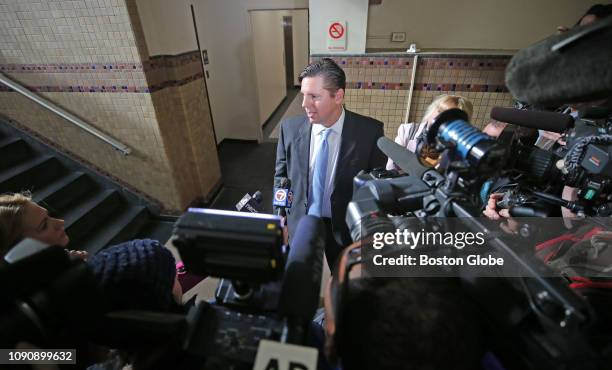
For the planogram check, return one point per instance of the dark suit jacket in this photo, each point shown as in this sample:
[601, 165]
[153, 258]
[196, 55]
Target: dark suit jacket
[358, 151]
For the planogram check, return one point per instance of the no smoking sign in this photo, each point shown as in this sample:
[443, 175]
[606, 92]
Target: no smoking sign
[336, 35]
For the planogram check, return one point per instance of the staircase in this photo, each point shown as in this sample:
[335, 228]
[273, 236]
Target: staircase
[97, 211]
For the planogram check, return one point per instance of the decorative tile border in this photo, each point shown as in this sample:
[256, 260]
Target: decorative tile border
[475, 62]
[175, 83]
[155, 63]
[110, 89]
[172, 61]
[70, 67]
[427, 87]
[67, 89]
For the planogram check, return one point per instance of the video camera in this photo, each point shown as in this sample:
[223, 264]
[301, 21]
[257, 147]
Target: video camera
[266, 293]
[535, 320]
[535, 312]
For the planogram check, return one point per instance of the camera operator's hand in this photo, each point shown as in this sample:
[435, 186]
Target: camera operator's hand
[81, 254]
[492, 212]
[285, 230]
[554, 136]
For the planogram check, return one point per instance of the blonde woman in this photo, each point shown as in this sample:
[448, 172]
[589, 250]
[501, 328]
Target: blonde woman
[20, 218]
[408, 133]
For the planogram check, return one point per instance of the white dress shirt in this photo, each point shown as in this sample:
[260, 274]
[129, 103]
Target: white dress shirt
[333, 141]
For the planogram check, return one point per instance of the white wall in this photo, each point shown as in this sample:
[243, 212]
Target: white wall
[224, 30]
[470, 24]
[300, 42]
[167, 26]
[269, 52]
[354, 12]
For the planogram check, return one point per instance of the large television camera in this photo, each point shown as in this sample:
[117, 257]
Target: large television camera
[534, 312]
[265, 293]
[583, 162]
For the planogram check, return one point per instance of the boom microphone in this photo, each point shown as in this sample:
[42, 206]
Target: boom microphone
[547, 121]
[403, 158]
[567, 68]
[302, 282]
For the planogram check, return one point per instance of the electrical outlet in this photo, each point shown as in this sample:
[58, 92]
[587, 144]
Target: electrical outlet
[398, 36]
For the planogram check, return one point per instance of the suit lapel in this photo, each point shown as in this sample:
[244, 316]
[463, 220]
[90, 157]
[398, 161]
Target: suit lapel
[303, 148]
[348, 146]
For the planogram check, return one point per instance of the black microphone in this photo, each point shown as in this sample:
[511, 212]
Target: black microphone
[547, 121]
[301, 287]
[403, 158]
[250, 203]
[282, 195]
[567, 68]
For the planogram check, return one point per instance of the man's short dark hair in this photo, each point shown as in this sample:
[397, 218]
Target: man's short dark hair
[401, 323]
[333, 76]
[599, 10]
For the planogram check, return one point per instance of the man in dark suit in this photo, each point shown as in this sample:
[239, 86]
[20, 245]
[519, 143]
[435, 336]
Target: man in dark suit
[321, 152]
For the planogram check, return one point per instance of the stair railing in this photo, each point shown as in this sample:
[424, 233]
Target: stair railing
[64, 114]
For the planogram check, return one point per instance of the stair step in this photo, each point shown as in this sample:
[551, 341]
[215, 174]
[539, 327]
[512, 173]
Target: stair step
[57, 196]
[158, 229]
[13, 150]
[122, 226]
[31, 174]
[88, 214]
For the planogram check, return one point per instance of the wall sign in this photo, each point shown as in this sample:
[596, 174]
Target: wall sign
[336, 36]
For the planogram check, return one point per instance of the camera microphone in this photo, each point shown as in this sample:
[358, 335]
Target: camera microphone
[547, 121]
[282, 195]
[302, 282]
[567, 68]
[250, 203]
[403, 158]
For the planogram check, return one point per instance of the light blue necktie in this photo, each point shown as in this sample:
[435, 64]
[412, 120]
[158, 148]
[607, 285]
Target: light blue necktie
[318, 177]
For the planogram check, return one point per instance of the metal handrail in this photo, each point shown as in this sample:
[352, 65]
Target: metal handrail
[64, 114]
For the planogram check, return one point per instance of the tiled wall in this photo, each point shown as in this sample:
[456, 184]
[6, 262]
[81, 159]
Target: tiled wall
[90, 58]
[379, 86]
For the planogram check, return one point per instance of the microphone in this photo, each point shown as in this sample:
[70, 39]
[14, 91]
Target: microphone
[282, 195]
[547, 121]
[250, 203]
[567, 68]
[301, 287]
[403, 158]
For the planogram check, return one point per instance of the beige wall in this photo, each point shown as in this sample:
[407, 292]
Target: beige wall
[354, 12]
[300, 42]
[269, 58]
[379, 86]
[167, 25]
[181, 105]
[470, 24]
[224, 30]
[61, 34]
[65, 50]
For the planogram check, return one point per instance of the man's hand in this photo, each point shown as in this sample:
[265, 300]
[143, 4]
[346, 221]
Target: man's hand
[285, 230]
[81, 254]
[491, 210]
[510, 226]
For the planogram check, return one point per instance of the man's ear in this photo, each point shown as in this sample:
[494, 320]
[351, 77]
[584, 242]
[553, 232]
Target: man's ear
[339, 96]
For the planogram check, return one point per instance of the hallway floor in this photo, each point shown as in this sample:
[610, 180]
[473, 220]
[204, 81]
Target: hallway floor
[248, 166]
